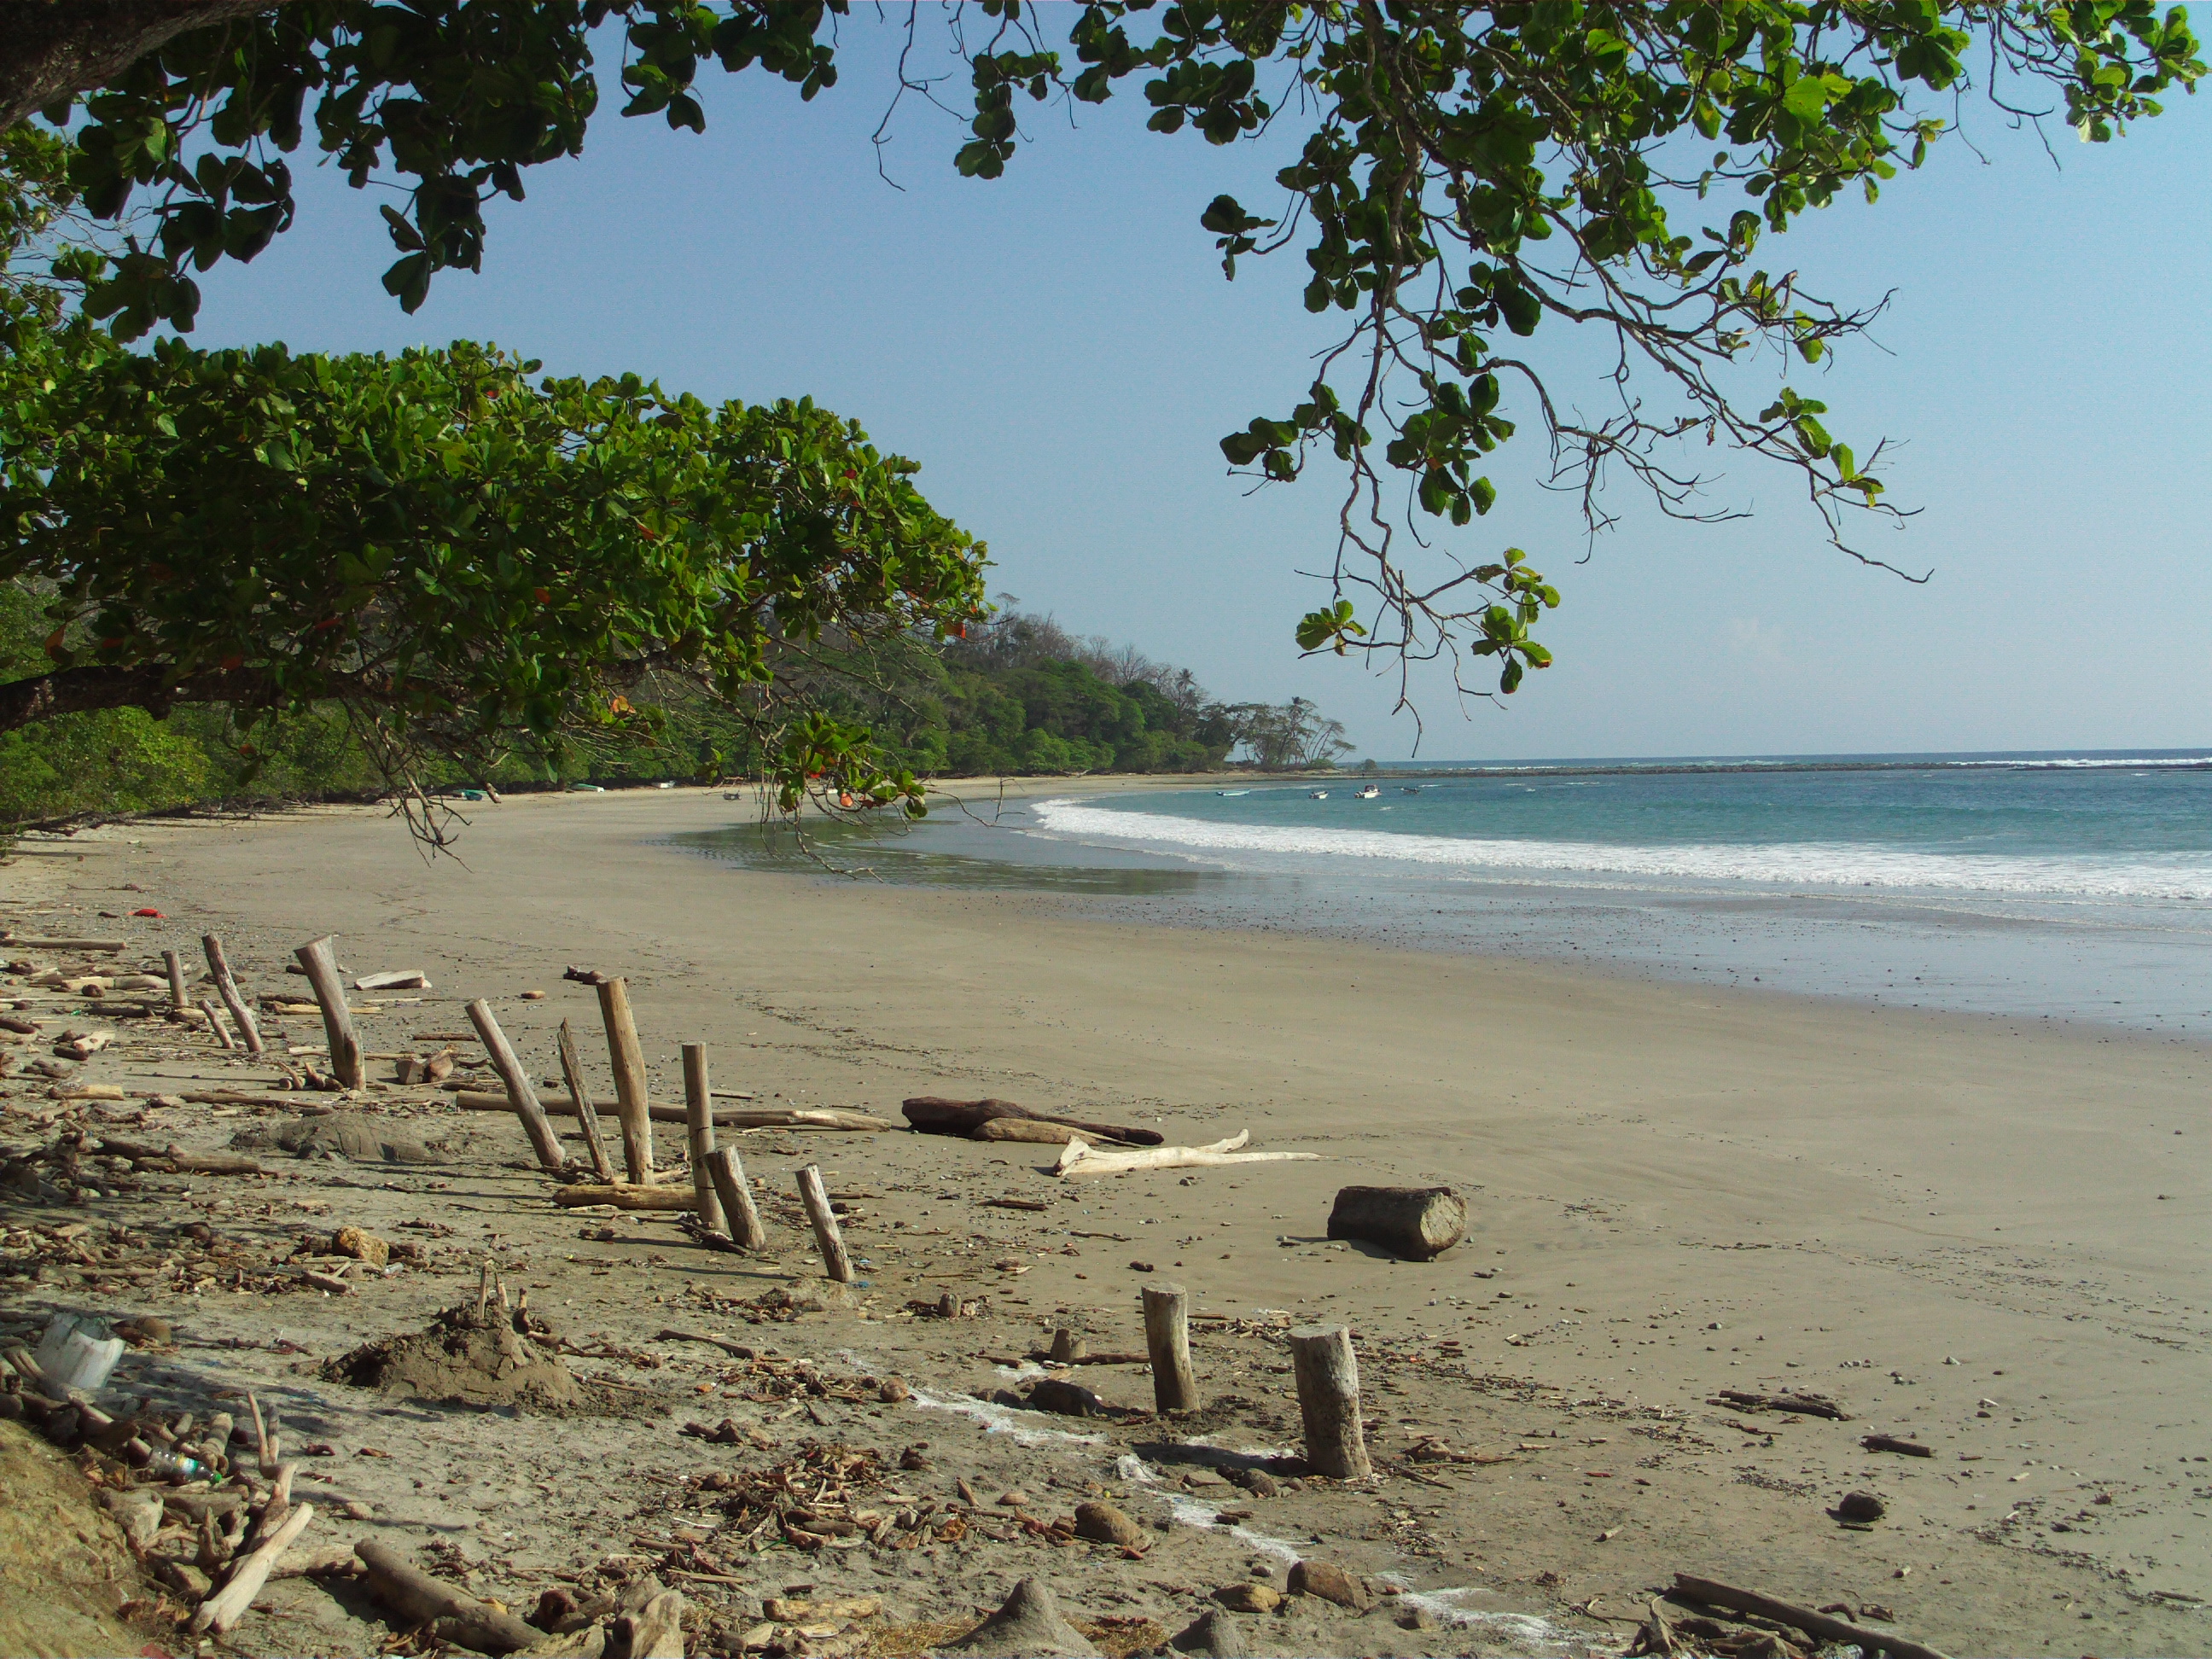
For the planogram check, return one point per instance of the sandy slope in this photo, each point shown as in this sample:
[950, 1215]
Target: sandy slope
[1676, 1191]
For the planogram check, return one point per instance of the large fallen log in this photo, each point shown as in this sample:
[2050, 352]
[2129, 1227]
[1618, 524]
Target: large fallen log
[25, 942]
[1714, 1594]
[419, 1599]
[935, 1115]
[1081, 1158]
[1031, 1130]
[624, 1195]
[1414, 1223]
[725, 1117]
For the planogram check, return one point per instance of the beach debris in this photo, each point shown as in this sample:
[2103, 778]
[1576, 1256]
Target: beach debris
[699, 1129]
[1069, 1398]
[725, 1117]
[1035, 1206]
[1859, 1509]
[426, 1068]
[1414, 1223]
[935, 1115]
[319, 961]
[836, 1262]
[249, 1572]
[1249, 1598]
[579, 1097]
[1800, 1405]
[23, 942]
[728, 1174]
[1167, 1344]
[1331, 1583]
[362, 1246]
[396, 979]
[632, 1102]
[583, 975]
[1890, 1443]
[521, 1098]
[1103, 1523]
[623, 1196]
[1819, 1627]
[1080, 1158]
[1029, 1624]
[1212, 1635]
[1328, 1375]
[1029, 1129]
[227, 989]
[452, 1614]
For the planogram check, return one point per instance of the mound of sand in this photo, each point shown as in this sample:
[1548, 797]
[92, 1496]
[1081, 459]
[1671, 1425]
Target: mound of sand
[65, 1571]
[335, 1134]
[471, 1356]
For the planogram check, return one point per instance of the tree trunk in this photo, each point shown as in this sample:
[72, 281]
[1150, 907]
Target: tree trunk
[1415, 1223]
[1329, 1401]
[99, 685]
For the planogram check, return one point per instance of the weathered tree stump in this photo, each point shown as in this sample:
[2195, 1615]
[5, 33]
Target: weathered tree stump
[520, 1095]
[737, 1207]
[227, 989]
[321, 963]
[1167, 1339]
[1328, 1375]
[811, 1193]
[1412, 1223]
[178, 999]
[632, 1102]
[699, 1122]
[571, 1071]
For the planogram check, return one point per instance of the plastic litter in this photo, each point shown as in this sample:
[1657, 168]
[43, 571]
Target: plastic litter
[77, 1355]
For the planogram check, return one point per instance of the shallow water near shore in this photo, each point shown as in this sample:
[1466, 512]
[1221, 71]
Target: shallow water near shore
[2059, 887]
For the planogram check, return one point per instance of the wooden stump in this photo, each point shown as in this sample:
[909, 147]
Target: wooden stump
[1329, 1401]
[1414, 1223]
[699, 1122]
[322, 962]
[227, 989]
[520, 1095]
[738, 1209]
[571, 1071]
[811, 1193]
[632, 1102]
[1167, 1338]
[178, 999]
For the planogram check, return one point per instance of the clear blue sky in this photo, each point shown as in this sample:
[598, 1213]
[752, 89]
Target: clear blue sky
[1058, 351]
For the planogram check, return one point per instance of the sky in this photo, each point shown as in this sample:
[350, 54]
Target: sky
[1059, 349]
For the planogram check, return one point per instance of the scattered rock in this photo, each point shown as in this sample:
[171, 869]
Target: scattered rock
[1103, 1523]
[1863, 1507]
[362, 1246]
[1249, 1598]
[1212, 1635]
[1258, 1482]
[1331, 1583]
[1028, 1625]
[1417, 1617]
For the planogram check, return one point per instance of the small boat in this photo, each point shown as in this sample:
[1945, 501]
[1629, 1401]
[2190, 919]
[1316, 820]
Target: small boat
[1409, 789]
[1232, 791]
[1318, 794]
[1371, 792]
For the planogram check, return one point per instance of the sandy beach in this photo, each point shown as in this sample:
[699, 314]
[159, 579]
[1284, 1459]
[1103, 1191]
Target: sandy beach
[1985, 1236]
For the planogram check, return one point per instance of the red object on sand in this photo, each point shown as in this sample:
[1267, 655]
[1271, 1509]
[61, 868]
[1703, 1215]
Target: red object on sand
[156, 914]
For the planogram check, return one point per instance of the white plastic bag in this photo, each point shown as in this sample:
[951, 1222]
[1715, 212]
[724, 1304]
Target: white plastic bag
[78, 1354]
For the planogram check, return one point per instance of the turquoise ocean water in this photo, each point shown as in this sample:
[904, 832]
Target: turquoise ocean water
[2062, 886]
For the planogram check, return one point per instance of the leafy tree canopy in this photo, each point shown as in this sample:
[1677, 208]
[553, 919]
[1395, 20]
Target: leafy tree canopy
[1469, 176]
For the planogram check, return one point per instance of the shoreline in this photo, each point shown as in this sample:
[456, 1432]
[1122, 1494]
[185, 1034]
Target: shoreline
[1674, 1190]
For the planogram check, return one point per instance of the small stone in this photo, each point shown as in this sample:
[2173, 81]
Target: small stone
[1861, 1507]
[1249, 1598]
[187, 1580]
[1212, 1635]
[362, 1246]
[1258, 1482]
[1417, 1617]
[1013, 1500]
[894, 1391]
[1028, 1624]
[533, 996]
[1069, 1399]
[1331, 1583]
[1103, 1523]
[1141, 1266]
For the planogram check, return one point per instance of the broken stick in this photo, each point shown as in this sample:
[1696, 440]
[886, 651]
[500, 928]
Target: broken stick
[811, 1193]
[572, 1073]
[227, 989]
[321, 963]
[699, 1114]
[213, 1015]
[248, 1574]
[1714, 1594]
[520, 1095]
[738, 1207]
[419, 1599]
[176, 969]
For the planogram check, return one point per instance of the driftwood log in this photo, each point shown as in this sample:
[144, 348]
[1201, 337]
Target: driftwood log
[419, 1599]
[728, 1174]
[725, 1117]
[1328, 1374]
[1415, 1223]
[699, 1110]
[633, 1102]
[521, 1098]
[1714, 1594]
[175, 969]
[1080, 1158]
[227, 989]
[1167, 1341]
[580, 1095]
[935, 1115]
[836, 1260]
[249, 1573]
[1042, 1134]
[625, 1196]
[318, 958]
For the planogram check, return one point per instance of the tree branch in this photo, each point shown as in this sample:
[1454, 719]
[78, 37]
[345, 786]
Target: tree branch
[148, 686]
[51, 49]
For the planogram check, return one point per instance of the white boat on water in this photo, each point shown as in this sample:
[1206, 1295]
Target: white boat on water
[1232, 791]
[1319, 794]
[1371, 792]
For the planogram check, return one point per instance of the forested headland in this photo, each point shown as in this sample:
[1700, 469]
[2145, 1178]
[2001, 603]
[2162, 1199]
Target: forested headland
[1021, 696]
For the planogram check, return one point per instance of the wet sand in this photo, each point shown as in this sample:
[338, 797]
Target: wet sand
[1983, 1235]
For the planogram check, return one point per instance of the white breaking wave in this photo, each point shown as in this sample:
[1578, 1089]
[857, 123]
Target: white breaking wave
[2180, 876]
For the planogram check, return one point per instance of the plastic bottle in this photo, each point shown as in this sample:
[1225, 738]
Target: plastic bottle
[175, 1468]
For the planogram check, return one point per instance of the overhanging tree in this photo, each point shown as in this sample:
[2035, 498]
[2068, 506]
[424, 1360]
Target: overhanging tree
[1470, 177]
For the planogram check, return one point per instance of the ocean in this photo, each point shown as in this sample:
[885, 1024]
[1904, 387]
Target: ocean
[2058, 886]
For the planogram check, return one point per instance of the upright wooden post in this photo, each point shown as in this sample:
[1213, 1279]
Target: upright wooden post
[177, 997]
[520, 1094]
[1167, 1337]
[737, 1207]
[227, 989]
[1329, 1401]
[322, 962]
[633, 1102]
[214, 1016]
[699, 1119]
[815, 1197]
[572, 1073]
